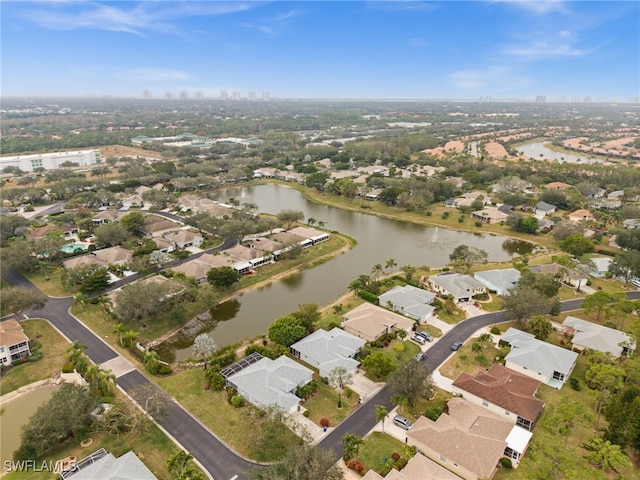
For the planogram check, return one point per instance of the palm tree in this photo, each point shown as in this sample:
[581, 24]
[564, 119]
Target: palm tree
[118, 330]
[80, 300]
[311, 221]
[104, 381]
[377, 271]
[76, 351]
[339, 379]
[203, 347]
[391, 264]
[151, 360]
[409, 271]
[321, 223]
[381, 414]
[129, 337]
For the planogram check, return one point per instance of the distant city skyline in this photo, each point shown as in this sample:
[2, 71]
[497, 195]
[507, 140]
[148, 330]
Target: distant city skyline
[544, 51]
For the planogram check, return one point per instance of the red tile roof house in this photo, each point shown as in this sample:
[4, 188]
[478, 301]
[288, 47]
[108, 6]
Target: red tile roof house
[468, 440]
[504, 392]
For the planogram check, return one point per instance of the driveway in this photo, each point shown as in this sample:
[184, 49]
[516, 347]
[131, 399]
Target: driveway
[364, 387]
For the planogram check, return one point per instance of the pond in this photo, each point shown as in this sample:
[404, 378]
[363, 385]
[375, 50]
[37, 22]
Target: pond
[379, 239]
[539, 151]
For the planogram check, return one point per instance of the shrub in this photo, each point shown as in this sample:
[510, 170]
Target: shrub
[237, 401]
[575, 384]
[478, 224]
[495, 331]
[395, 456]
[324, 422]
[355, 464]
[482, 360]
[506, 462]
[434, 412]
[401, 463]
[164, 369]
[428, 213]
[445, 215]
[368, 296]
[306, 413]
[67, 367]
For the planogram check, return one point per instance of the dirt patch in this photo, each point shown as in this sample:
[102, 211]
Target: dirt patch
[123, 151]
[495, 150]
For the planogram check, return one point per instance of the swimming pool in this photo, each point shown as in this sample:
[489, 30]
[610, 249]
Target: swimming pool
[72, 248]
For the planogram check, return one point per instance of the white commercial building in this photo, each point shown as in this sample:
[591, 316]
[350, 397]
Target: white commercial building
[51, 161]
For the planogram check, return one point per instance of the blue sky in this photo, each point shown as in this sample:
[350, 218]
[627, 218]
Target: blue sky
[358, 49]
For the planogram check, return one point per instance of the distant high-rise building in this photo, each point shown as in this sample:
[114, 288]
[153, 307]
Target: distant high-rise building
[184, 95]
[252, 96]
[541, 99]
[266, 96]
[575, 99]
[236, 95]
[146, 94]
[561, 99]
[587, 100]
[601, 100]
[167, 95]
[634, 99]
[199, 95]
[224, 95]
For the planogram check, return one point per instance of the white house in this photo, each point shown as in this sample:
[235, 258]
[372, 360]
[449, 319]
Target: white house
[327, 350]
[266, 382]
[462, 288]
[410, 301]
[499, 281]
[369, 322]
[587, 335]
[537, 359]
[542, 209]
[14, 344]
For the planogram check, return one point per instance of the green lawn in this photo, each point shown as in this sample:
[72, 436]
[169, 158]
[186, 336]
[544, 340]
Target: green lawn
[54, 286]
[54, 348]
[324, 404]
[465, 360]
[238, 427]
[377, 448]
[400, 351]
[451, 318]
[439, 399]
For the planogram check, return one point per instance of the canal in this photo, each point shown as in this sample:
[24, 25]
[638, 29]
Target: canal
[379, 239]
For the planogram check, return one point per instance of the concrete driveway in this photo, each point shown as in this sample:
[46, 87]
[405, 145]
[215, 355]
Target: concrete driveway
[364, 387]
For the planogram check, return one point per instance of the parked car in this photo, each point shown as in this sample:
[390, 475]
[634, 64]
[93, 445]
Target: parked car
[456, 346]
[427, 336]
[402, 422]
[418, 339]
[636, 282]
[421, 356]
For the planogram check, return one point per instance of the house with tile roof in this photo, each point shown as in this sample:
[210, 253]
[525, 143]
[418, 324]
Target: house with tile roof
[114, 255]
[489, 216]
[312, 235]
[505, 392]
[267, 382]
[468, 440]
[500, 280]
[418, 467]
[409, 301]
[14, 344]
[537, 359]
[581, 215]
[591, 336]
[184, 238]
[327, 350]
[462, 288]
[102, 465]
[369, 322]
[156, 226]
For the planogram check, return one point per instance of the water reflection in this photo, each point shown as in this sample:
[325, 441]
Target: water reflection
[513, 246]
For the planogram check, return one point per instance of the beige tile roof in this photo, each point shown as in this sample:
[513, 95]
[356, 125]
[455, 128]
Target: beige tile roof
[183, 236]
[420, 467]
[82, 260]
[11, 333]
[373, 321]
[468, 435]
[114, 255]
[504, 387]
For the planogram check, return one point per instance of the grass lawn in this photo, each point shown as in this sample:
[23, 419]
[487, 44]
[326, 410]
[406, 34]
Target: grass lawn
[54, 348]
[495, 304]
[422, 405]
[378, 447]
[465, 360]
[238, 427]
[54, 286]
[324, 404]
[433, 331]
[330, 317]
[451, 318]
[400, 351]
[152, 447]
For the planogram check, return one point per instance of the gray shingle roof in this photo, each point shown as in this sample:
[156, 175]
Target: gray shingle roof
[597, 337]
[126, 467]
[536, 355]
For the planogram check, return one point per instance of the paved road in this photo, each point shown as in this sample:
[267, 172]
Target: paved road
[221, 462]
[364, 419]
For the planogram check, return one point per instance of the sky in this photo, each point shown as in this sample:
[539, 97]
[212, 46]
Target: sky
[322, 50]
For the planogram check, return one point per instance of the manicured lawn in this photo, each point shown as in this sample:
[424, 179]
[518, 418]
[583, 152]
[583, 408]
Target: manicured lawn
[433, 331]
[465, 360]
[423, 404]
[240, 428]
[451, 318]
[153, 447]
[54, 348]
[400, 351]
[324, 404]
[330, 317]
[54, 286]
[377, 448]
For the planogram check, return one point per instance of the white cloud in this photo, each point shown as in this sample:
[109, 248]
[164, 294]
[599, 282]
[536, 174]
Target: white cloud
[537, 7]
[544, 49]
[127, 17]
[154, 74]
[272, 26]
[497, 78]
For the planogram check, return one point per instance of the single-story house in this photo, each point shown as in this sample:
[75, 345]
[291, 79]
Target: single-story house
[410, 301]
[505, 392]
[83, 260]
[327, 350]
[156, 226]
[198, 268]
[468, 440]
[462, 288]
[106, 216]
[184, 238]
[266, 382]
[571, 276]
[631, 223]
[490, 216]
[132, 201]
[537, 359]
[103, 465]
[616, 195]
[542, 209]
[43, 231]
[599, 193]
[557, 186]
[581, 215]
[164, 245]
[114, 255]
[591, 336]
[369, 322]
[311, 234]
[499, 281]
[14, 344]
[418, 467]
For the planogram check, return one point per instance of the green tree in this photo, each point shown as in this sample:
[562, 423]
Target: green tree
[351, 446]
[409, 271]
[286, 330]
[606, 379]
[110, 234]
[598, 302]
[308, 315]
[576, 245]
[340, 378]
[377, 271]
[522, 303]
[203, 347]
[540, 326]
[413, 381]
[289, 217]
[464, 257]
[132, 221]
[391, 264]
[605, 455]
[563, 417]
[300, 462]
[96, 282]
[381, 414]
[18, 299]
[623, 416]
[629, 239]
[223, 277]
[181, 466]
[317, 180]
[626, 265]
[378, 365]
[527, 225]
